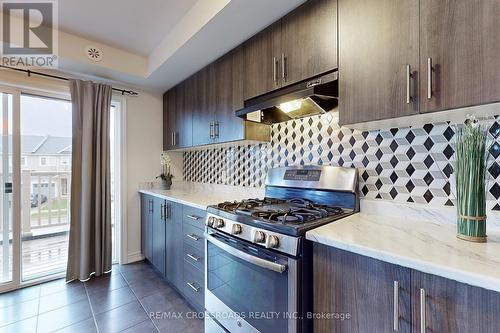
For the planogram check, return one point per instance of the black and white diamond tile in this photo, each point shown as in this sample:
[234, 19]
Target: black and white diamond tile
[411, 164]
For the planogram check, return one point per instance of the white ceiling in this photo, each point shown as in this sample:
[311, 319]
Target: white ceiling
[133, 25]
[155, 44]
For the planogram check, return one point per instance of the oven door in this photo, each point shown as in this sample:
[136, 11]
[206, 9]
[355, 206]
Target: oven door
[247, 288]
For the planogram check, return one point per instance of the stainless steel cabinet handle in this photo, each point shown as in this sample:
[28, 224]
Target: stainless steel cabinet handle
[423, 323]
[161, 212]
[193, 237]
[210, 131]
[408, 76]
[283, 66]
[396, 306]
[175, 138]
[193, 257]
[167, 212]
[193, 217]
[172, 139]
[216, 129]
[192, 286]
[275, 76]
[429, 78]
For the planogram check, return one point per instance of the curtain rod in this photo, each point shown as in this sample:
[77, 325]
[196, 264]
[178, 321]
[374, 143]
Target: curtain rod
[30, 72]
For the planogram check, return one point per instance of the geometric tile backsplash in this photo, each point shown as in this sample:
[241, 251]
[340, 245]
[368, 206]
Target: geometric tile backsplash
[410, 164]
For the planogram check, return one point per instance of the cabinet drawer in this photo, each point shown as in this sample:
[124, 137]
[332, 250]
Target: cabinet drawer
[193, 236]
[194, 216]
[194, 256]
[194, 285]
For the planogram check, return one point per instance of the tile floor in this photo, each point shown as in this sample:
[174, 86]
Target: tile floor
[124, 301]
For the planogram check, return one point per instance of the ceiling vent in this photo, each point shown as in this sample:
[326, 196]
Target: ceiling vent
[94, 53]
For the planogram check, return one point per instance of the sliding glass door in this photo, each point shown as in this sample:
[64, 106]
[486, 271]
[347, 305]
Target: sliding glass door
[46, 139]
[35, 185]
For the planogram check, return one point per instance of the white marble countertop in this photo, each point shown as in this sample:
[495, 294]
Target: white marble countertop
[417, 237]
[202, 195]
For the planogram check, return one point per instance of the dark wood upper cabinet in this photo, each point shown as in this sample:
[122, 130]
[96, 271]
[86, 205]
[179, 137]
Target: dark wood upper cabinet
[261, 62]
[345, 282]
[169, 118]
[450, 306]
[460, 40]
[228, 72]
[177, 117]
[377, 41]
[301, 45]
[201, 95]
[309, 41]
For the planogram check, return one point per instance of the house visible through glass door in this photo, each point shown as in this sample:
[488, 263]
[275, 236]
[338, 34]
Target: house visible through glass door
[46, 140]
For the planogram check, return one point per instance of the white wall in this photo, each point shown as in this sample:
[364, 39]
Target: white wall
[144, 137]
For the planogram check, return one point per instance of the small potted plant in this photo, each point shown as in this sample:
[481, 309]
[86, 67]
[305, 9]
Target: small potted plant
[471, 160]
[165, 176]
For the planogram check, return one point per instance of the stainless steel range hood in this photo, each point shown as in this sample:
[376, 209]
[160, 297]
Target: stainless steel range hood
[302, 99]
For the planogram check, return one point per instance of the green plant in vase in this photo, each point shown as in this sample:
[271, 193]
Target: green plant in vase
[471, 160]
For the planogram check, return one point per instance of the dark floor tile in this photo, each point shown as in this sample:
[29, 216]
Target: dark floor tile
[138, 275]
[86, 326]
[18, 296]
[59, 285]
[112, 299]
[146, 326]
[23, 326]
[105, 284]
[65, 316]
[60, 299]
[121, 318]
[182, 319]
[148, 286]
[18, 311]
[134, 266]
[161, 301]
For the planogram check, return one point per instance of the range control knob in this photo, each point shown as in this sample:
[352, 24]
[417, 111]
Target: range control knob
[236, 229]
[259, 237]
[272, 242]
[211, 221]
[219, 223]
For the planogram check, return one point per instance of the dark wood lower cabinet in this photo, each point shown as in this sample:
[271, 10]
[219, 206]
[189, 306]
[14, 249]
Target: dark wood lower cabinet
[158, 236]
[360, 290]
[164, 226]
[174, 244]
[363, 288]
[451, 306]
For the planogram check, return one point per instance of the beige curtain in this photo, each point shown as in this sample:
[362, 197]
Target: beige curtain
[90, 233]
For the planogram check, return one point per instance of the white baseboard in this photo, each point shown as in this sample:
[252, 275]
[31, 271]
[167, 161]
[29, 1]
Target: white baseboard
[133, 257]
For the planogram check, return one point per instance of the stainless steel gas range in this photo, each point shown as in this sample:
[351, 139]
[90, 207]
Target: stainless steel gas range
[258, 266]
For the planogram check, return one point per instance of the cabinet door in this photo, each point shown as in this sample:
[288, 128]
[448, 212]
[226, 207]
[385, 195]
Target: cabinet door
[455, 307]
[146, 226]
[462, 39]
[261, 68]
[228, 84]
[183, 132]
[377, 40]
[345, 282]
[203, 113]
[169, 105]
[309, 36]
[159, 235]
[174, 244]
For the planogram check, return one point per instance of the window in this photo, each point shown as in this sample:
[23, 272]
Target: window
[43, 161]
[64, 160]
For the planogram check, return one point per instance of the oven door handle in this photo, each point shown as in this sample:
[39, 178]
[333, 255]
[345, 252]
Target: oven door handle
[245, 256]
